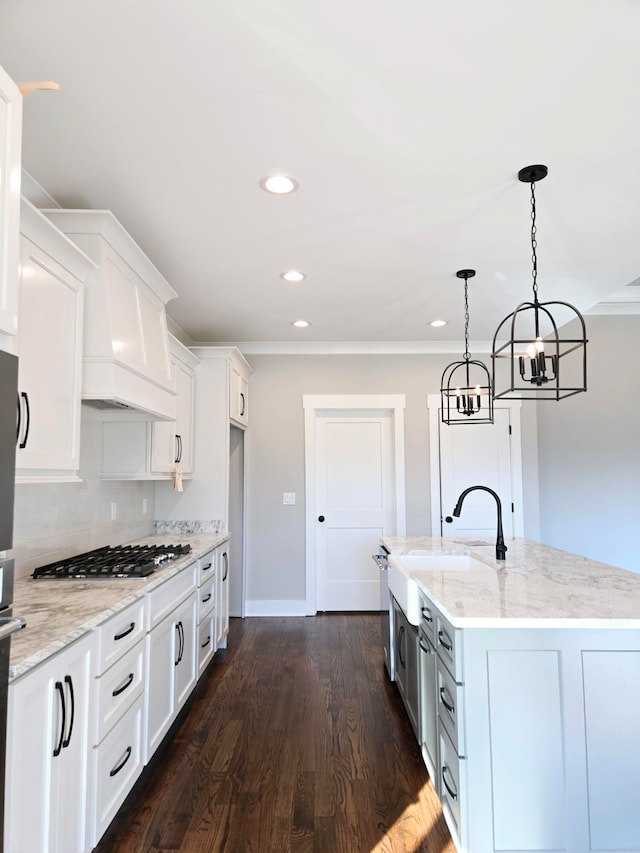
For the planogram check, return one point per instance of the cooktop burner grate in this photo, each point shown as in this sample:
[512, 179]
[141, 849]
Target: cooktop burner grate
[123, 561]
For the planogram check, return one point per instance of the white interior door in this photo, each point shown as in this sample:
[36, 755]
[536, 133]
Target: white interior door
[477, 455]
[354, 452]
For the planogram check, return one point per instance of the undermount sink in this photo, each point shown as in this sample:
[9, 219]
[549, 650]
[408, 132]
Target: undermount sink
[404, 588]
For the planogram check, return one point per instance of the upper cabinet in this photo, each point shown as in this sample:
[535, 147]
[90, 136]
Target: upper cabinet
[10, 149]
[126, 344]
[239, 390]
[49, 347]
[139, 450]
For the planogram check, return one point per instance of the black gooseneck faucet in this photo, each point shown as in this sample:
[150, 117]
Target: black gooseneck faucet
[501, 548]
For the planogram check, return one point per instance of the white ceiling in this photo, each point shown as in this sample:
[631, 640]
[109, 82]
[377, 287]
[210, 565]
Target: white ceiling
[405, 125]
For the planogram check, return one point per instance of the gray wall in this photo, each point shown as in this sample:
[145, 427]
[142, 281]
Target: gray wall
[275, 453]
[589, 452]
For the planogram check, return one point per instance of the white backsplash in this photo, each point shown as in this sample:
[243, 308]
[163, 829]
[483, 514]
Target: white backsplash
[53, 521]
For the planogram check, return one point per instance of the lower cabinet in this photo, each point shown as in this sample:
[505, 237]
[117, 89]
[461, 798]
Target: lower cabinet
[171, 654]
[222, 601]
[117, 754]
[407, 673]
[46, 793]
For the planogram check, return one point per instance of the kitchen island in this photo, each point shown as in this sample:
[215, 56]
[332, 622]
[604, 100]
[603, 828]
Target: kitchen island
[530, 693]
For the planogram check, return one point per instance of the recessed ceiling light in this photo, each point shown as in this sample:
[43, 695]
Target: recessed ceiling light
[437, 323]
[300, 324]
[292, 275]
[279, 184]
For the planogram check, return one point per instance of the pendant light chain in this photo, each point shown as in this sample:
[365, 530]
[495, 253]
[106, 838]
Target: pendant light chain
[534, 243]
[467, 355]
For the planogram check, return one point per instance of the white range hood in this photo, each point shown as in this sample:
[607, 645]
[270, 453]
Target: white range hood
[126, 347]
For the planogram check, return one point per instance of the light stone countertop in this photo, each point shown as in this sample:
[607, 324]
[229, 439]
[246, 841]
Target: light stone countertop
[57, 612]
[536, 586]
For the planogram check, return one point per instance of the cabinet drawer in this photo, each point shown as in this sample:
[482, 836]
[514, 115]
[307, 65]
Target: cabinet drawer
[206, 598]
[164, 599]
[206, 642]
[117, 765]
[117, 689]
[428, 617]
[206, 567]
[450, 785]
[448, 644]
[450, 698]
[120, 634]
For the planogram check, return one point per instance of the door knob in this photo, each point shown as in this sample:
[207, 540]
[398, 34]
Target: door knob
[321, 518]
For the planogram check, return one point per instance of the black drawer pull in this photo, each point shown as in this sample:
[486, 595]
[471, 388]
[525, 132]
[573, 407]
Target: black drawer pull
[206, 643]
[453, 794]
[450, 708]
[125, 633]
[58, 749]
[207, 567]
[124, 685]
[119, 766]
[206, 598]
[448, 646]
[426, 648]
[426, 615]
[69, 682]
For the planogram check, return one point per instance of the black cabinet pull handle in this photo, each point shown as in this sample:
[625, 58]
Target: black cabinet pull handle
[125, 633]
[180, 437]
[448, 646]
[443, 693]
[207, 641]
[118, 767]
[58, 749]
[321, 518]
[124, 685]
[426, 614]
[177, 660]
[425, 648]
[182, 640]
[206, 598]
[207, 567]
[69, 682]
[19, 420]
[453, 794]
[242, 405]
[27, 411]
[401, 636]
[225, 557]
[176, 455]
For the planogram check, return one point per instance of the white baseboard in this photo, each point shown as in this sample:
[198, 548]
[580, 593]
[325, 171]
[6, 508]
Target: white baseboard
[286, 607]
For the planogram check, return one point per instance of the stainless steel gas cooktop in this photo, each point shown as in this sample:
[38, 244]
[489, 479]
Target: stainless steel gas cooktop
[123, 561]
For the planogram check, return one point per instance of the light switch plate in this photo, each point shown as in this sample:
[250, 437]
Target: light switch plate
[289, 498]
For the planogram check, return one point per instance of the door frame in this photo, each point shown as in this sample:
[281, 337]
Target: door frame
[515, 448]
[319, 405]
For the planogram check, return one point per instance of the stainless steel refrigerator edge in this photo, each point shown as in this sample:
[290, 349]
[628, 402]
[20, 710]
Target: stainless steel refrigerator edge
[8, 624]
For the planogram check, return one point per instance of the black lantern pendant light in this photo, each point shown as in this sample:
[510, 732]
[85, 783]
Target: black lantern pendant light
[466, 395]
[536, 363]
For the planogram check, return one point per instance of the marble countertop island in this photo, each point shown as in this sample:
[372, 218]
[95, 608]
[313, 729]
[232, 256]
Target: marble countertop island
[536, 585]
[58, 611]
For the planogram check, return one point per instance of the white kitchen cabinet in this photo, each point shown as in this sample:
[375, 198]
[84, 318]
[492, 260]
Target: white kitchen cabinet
[171, 654]
[117, 755]
[10, 155]
[47, 754]
[172, 441]
[49, 347]
[135, 449]
[207, 600]
[222, 598]
[239, 392]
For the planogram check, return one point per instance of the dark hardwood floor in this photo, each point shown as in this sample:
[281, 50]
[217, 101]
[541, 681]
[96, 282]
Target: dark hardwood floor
[293, 741]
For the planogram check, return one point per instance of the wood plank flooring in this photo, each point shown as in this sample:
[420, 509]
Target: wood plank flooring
[294, 742]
